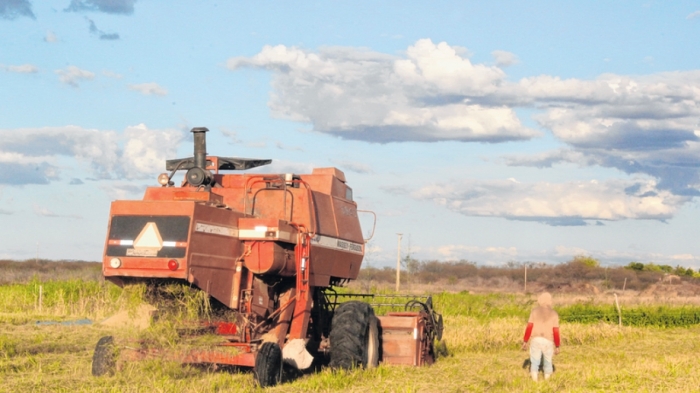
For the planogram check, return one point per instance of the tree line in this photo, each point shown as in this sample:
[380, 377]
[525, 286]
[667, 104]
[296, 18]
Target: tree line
[635, 275]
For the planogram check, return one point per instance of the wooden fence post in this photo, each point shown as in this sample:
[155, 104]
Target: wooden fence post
[619, 312]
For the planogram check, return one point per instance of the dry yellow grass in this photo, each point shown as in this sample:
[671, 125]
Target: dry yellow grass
[484, 356]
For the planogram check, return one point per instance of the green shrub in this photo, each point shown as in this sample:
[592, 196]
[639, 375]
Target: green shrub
[659, 316]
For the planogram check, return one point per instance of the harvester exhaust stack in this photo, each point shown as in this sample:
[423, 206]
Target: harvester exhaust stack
[199, 175]
[200, 146]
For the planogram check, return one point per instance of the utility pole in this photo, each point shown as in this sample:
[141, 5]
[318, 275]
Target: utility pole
[398, 263]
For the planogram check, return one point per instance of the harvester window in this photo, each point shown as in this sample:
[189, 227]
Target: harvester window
[170, 232]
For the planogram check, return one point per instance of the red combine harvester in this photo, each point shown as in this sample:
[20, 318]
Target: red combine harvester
[270, 248]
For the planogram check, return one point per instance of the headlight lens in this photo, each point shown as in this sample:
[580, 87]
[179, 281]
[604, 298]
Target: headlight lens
[115, 263]
[163, 179]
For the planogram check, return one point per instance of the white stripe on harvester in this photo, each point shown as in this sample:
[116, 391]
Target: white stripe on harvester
[337, 244]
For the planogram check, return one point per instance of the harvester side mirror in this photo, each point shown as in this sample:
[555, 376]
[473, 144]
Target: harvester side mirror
[374, 224]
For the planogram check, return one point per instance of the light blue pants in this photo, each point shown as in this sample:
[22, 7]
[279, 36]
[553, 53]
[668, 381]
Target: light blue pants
[541, 346]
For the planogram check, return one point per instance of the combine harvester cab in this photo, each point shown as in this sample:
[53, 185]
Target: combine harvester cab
[270, 247]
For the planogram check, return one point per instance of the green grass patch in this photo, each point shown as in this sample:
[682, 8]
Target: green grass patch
[642, 315]
[60, 298]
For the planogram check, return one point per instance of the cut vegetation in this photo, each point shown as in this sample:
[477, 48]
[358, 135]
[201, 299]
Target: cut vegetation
[481, 337]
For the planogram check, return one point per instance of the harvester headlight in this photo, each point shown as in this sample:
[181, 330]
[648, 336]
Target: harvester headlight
[115, 263]
[163, 179]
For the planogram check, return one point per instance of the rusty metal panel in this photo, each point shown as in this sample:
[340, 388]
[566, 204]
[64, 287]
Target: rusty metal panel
[332, 260]
[180, 194]
[324, 212]
[214, 248]
[345, 213]
[268, 257]
[272, 203]
[401, 338]
[335, 172]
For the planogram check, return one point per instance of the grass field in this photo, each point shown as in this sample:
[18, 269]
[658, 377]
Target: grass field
[482, 334]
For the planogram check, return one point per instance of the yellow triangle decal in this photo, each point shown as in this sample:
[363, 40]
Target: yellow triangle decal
[149, 238]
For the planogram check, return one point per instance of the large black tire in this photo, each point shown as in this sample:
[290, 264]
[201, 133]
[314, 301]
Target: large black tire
[354, 336]
[104, 359]
[268, 365]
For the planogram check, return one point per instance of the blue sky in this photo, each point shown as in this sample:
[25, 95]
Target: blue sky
[489, 131]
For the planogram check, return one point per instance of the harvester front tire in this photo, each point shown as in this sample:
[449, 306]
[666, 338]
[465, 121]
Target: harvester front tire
[354, 336]
[104, 359]
[268, 365]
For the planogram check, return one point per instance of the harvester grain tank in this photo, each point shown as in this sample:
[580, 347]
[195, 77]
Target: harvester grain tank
[271, 248]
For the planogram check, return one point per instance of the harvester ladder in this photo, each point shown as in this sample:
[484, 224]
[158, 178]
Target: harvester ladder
[302, 306]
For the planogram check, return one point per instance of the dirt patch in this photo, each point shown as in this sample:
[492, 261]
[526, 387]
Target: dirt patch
[139, 318]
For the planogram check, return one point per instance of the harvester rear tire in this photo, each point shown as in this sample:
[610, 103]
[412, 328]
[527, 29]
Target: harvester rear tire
[104, 359]
[268, 365]
[354, 336]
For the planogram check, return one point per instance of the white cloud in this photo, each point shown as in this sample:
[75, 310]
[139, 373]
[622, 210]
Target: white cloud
[50, 37]
[623, 257]
[434, 93]
[352, 166]
[136, 153]
[122, 191]
[359, 94]
[283, 166]
[643, 125]
[73, 75]
[499, 256]
[569, 203]
[148, 89]
[282, 146]
[693, 15]
[231, 134]
[111, 74]
[123, 7]
[21, 69]
[12, 9]
[45, 212]
[256, 144]
[504, 59]
[474, 253]
[440, 68]
[145, 151]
